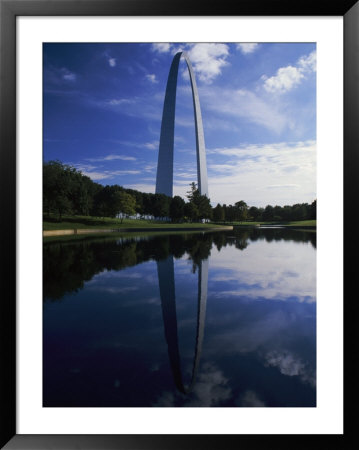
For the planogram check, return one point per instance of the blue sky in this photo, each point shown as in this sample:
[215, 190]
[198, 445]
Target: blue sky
[103, 109]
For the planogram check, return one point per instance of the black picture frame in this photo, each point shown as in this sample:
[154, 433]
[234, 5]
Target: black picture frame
[9, 10]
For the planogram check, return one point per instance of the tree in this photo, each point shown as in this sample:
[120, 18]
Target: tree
[287, 213]
[125, 203]
[57, 188]
[242, 210]
[139, 199]
[313, 210]
[147, 203]
[193, 193]
[230, 213]
[160, 205]
[67, 191]
[106, 203]
[201, 202]
[191, 211]
[204, 207]
[82, 193]
[278, 213]
[268, 213]
[177, 205]
[254, 213]
[218, 213]
[299, 211]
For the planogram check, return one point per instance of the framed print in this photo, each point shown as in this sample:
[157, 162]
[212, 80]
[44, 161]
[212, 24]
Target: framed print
[99, 362]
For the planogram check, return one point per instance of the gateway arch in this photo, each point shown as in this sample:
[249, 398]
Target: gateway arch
[164, 180]
[165, 270]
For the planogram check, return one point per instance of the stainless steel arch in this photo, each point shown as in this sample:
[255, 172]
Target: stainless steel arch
[164, 179]
[165, 269]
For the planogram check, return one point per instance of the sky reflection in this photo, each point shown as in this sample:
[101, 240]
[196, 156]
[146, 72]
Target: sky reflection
[105, 343]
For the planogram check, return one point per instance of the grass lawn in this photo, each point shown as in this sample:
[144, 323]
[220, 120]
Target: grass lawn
[298, 223]
[101, 237]
[82, 222]
[301, 223]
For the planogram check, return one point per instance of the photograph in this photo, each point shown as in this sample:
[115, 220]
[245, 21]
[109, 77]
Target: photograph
[168, 279]
[179, 224]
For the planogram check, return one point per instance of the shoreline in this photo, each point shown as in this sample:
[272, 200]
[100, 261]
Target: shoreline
[82, 231]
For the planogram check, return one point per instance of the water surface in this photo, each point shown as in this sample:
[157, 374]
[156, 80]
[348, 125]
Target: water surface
[204, 319]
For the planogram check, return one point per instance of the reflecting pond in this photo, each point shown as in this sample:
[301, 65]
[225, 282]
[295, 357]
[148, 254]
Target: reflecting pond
[201, 319]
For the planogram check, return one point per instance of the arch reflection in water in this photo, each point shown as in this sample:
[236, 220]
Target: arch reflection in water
[165, 269]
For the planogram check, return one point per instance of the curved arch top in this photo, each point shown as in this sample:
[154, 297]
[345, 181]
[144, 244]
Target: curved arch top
[164, 179]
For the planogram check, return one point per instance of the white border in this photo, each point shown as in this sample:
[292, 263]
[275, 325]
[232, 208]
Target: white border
[327, 416]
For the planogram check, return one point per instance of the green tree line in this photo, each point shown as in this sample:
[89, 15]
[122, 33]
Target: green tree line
[241, 212]
[67, 191]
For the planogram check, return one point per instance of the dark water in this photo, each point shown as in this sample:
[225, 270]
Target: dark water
[214, 319]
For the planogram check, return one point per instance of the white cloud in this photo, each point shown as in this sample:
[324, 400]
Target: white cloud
[142, 187]
[113, 289]
[216, 123]
[111, 275]
[250, 399]
[112, 62]
[112, 158]
[83, 167]
[145, 107]
[288, 77]
[285, 79]
[245, 105]
[120, 101]
[67, 75]
[283, 186]
[103, 175]
[208, 60]
[95, 176]
[286, 363]
[280, 173]
[151, 145]
[210, 389]
[247, 47]
[150, 167]
[268, 277]
[291, 365]
[161, 47]
[308, 63]
[151, 77]
[122, 157]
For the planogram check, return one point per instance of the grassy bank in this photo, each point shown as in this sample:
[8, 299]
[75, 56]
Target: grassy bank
[84, 222]
[101, 237]
[294, 224]
[301, 223]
